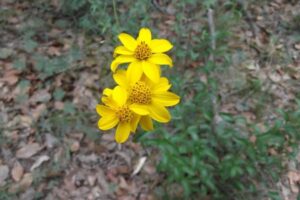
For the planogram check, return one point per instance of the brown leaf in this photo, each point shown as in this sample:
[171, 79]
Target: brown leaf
[23, 184]
[25, 120]
[54, 51]
[10, 80]
[10, 77]
[37, 111]
[58, 105]
[17, 171]
[275, 77]
[28, 150]
[75, 146]
[294, 179]
[40, 96]
[101, 179]
[4, 170]
[91, 179]
[39, 161]
[50, 141]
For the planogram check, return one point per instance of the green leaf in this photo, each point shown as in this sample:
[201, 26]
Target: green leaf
[69, 108]
[186, 186]
[274, 195]
[58, 94]
[29, 45]
[5, 53]
[20, 63]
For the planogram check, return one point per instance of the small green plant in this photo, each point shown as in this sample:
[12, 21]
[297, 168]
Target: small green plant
[107, 17]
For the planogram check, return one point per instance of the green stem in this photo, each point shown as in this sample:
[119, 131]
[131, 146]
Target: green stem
[115, 13]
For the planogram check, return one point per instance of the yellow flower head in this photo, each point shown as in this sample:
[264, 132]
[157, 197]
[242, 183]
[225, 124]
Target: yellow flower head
[116, 111]
[144, 55]
[147, 98]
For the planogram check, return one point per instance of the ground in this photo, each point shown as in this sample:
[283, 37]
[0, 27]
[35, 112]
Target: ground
[52, 78]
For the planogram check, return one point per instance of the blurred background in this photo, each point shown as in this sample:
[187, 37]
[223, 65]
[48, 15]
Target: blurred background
[234, 135]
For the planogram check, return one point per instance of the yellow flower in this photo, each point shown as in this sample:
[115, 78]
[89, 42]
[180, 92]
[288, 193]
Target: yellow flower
[144, 55]
[147, 98]
[116, 111]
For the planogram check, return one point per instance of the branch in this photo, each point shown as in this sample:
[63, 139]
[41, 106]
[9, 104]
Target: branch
[212, 30]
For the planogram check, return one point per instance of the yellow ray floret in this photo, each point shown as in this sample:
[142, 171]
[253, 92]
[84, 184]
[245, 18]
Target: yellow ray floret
[147, 98]
[144, 54]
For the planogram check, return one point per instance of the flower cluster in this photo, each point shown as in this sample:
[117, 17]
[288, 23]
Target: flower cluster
[141, 94]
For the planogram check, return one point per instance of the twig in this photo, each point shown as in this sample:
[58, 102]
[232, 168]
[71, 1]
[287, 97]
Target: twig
[157, 6]
[212, 30]
[212, 33]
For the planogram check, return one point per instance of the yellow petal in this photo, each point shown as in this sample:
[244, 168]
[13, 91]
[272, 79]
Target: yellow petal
[128, 41]
[108, 122]
[134, 122]
[122, 132]
[119, 95]
[144, 35]
[139, 109]
[160, 45]
[120, 78]
[166, 99]
[105, 100]
[107, 91]
[108, 101]
[161, 86]
[104, 110]
[134, 72]
[120, 60]
[161, 59]
[146, 123]
[152, 71]
[159, 113]
[123, 51]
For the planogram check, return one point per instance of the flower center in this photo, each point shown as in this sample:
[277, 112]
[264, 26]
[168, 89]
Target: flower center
[142, 51]
[124, 114]
[140, 93]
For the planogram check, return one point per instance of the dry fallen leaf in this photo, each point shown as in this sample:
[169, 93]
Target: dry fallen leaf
[50, 141]
[40, 96]
[58, 105]
[25, 121]
[91, 179]
[28, 150]
[37, 111]
[17, 171]
[23, 184]
[123, 184]
[4, 170]
[275, 77]
[101, 179]
[75, 146]
[139, 165]
[39, 161]
[253, 66]
[11, 80]
[294, 179]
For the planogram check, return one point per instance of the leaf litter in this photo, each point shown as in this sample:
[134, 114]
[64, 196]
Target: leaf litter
[81, 168]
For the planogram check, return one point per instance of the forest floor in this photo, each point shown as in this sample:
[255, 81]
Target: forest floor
[50, 145]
